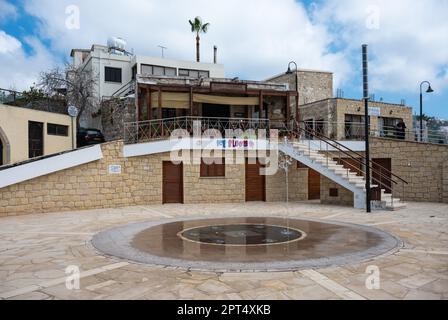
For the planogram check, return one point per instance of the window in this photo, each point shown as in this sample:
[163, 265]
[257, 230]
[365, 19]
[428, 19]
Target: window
[213, 167]
[354, 126]
[388, 127]
[158, 70]
[334, 192]
[194, 73]
[112, 74]
[57, 130]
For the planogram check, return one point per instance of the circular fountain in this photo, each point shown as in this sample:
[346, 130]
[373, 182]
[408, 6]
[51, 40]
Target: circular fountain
[239, 244]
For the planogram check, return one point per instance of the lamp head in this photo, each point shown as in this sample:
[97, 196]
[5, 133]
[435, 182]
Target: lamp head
[430, 90]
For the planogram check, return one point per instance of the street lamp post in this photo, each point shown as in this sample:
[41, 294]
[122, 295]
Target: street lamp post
[290, 71]
[430, 90]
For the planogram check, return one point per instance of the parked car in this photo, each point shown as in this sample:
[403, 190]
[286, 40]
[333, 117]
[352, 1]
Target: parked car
[87, 137]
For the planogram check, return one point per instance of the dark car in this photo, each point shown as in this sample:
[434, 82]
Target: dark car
[87, 137]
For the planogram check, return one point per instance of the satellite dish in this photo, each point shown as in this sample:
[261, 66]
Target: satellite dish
[72, 111]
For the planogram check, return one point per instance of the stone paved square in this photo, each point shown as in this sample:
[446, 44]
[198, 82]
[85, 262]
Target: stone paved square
[36, 249]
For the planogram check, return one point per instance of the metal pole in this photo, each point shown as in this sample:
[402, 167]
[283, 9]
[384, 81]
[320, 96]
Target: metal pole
[73, 133]
[297, 97]
[366, 124]
[421, 114]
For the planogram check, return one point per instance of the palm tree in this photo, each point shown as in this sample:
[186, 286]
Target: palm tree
[198, 27]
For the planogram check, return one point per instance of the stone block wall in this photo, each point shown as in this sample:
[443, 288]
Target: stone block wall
[298, 185]
[423, 165]
[356, 107]
[91, 186]
[445, 182]
[345, 197]
[88, 186]
[228, 189]
[114, 114]
[313, 85]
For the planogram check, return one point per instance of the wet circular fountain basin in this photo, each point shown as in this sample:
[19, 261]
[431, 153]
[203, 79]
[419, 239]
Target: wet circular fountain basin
[245, 243]
[241, 234]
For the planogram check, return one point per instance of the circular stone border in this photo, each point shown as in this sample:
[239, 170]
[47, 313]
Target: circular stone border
[116, 242]
[303, 235]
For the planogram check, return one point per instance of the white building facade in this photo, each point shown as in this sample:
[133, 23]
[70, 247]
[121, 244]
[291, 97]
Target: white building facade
[116, 68]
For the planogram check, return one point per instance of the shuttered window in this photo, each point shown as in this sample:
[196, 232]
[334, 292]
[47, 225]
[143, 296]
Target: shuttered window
[112, 74]
[213, 168]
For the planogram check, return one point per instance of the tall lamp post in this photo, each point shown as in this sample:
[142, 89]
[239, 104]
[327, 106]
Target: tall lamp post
[365, 80]
[430, 90]
[290, 71]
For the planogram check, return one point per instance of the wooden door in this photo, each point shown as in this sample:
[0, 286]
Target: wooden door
[313, 185]
[379, 174]
[35, 139]
[255, 182]
[173, 186]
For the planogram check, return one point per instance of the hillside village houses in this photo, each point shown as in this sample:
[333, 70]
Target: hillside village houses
[143, 100]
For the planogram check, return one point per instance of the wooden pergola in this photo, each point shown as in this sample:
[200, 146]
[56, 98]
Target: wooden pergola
[147, 92]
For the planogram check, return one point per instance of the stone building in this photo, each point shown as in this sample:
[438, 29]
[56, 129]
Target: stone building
[313, 85]
[340, 118]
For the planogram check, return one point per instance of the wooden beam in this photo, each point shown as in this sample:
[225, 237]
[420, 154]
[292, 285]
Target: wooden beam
[160, 104]
[148, 94]
[139, 105]
[191, 102]
[186, 89]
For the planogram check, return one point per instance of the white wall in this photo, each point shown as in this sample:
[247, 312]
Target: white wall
[216, 70]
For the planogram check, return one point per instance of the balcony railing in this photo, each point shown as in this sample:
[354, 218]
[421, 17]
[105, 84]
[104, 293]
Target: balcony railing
[145, 131]
[356, 131]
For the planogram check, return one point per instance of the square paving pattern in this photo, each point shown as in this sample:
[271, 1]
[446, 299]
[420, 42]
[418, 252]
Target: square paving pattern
[35, 251]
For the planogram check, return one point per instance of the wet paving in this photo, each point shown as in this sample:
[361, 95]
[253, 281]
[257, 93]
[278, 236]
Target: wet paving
[245, 243]
[36, 249]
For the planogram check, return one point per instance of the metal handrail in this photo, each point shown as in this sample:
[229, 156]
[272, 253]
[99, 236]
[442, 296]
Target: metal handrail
[382, 179]
[338, 146]
[382, 175]
[356, 131]
[126, 86]
[160, 128]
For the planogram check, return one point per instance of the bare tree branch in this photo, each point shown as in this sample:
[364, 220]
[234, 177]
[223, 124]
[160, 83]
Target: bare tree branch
[78, 85]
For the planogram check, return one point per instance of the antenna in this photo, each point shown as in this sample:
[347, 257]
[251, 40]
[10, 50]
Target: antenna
[163, 50]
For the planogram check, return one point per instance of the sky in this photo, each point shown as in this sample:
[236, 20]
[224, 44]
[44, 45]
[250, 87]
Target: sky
[256, 39]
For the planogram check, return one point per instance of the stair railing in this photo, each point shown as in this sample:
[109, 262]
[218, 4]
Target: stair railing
[383, 177]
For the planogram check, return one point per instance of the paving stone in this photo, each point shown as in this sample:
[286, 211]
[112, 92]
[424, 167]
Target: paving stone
[32, 255]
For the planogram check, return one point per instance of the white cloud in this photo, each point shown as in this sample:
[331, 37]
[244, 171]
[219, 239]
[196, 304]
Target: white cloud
[8, 44]
[7, 11]
[255, 38]
[409, 45]
[18, 70]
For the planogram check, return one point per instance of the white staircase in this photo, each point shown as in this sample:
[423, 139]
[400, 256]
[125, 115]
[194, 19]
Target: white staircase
[326, 166]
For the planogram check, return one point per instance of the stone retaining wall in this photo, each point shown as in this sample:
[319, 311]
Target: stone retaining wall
[423, 165]
[114, 113]
[92, 186]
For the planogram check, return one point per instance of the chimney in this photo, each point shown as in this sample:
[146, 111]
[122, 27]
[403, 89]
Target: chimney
[215, 54]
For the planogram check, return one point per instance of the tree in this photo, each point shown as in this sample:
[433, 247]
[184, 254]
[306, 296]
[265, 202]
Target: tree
[75, 83]
[198, 27]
